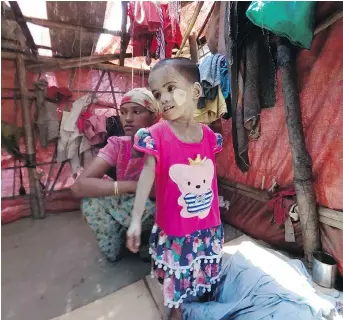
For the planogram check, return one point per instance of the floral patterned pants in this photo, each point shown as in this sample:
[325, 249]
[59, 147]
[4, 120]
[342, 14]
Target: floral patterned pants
[109, 218]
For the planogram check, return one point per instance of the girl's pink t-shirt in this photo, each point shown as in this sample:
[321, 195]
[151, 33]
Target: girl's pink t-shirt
[186, 180]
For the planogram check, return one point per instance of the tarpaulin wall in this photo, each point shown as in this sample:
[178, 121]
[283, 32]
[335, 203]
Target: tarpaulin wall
[320, 83]
[85, 79]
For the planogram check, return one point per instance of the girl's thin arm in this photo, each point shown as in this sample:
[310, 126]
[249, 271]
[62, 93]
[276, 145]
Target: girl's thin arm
[145, 183]
[91, 182]
[144, 186]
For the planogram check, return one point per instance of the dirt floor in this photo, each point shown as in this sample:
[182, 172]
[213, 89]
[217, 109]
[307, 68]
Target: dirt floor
[53, 266]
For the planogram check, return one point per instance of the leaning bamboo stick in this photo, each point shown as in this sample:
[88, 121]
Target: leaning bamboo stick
[329, 21]
[190, 26]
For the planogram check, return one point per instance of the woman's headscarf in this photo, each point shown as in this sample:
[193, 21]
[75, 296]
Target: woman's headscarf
[143, 97]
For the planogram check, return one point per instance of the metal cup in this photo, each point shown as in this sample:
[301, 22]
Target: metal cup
[324, 269]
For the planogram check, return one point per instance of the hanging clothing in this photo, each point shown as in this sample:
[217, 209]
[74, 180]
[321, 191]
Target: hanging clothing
[95, 129]
[152, 30]
[70, 139]
[69, 144]
[281, 203]
[174, 9]
[81, 120]
[58, 95]
[48, 123]
[161, 43]
[144, 17]
[77, 108]
[253, 78]
[214, 109]
[46, 115]
[172, 39]
[145, 21]
[213, 73]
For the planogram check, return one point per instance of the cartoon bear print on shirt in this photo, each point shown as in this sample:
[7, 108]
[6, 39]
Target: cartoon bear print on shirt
[195, 183]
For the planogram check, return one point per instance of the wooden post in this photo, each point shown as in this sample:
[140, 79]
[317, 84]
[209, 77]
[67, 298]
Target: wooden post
[37, 205]
[125, 37]
[302, 162]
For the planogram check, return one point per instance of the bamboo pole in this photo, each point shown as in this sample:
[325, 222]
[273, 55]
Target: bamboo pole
[113, 92]
[97, 86]
[10, 55]
[190, 26]
[125, 37]
[71, 79]
[48, 60]
[72, 90]
[302, 162]
[329, 21]
[19, 18]
[37, 206]
[72, 63]
[68, 26]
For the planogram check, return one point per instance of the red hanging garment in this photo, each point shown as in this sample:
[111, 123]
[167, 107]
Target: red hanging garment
[145, 22]
[281, 204]
[172, 39]
[81, 120]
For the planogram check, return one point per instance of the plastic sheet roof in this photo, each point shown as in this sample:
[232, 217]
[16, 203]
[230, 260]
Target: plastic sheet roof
[102, 14]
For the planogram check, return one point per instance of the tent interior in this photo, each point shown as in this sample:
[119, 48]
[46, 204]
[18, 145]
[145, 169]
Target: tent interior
[86, 48]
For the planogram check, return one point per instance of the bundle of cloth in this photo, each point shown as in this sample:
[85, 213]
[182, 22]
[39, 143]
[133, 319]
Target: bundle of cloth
[155, 29]
[257, 283]
[215, 83]
[83, 133]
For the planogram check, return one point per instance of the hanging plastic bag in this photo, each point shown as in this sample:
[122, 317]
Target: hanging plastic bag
[291, 19]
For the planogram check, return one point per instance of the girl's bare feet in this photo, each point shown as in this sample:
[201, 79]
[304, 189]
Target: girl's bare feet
[176, 314]
[172, 314]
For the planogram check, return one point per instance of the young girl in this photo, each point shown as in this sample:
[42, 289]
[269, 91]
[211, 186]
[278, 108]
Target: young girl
[186, 240]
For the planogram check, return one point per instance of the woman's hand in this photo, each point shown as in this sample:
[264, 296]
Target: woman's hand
[133, 236]
[91, 182]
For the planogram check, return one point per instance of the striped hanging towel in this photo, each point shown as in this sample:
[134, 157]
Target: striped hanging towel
[160, 52]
